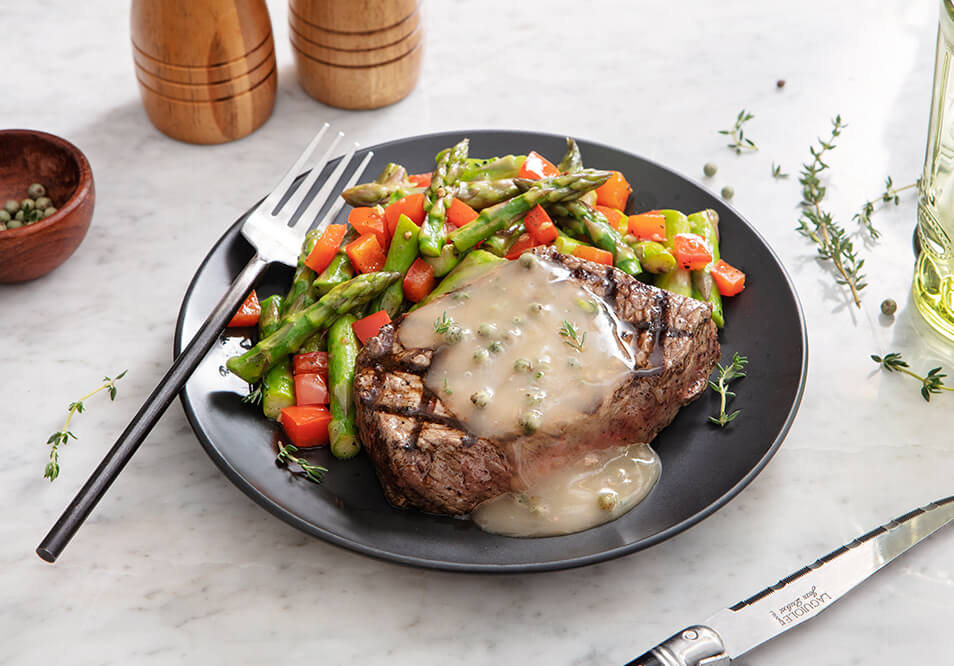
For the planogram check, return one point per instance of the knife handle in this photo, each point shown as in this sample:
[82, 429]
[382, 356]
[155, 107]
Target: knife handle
[693, 646]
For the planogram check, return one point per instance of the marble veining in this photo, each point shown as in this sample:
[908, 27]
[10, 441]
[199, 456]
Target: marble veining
[178, 566]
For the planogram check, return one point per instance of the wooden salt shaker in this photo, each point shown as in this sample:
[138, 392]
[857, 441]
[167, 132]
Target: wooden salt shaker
[356, 54]
[205, 68]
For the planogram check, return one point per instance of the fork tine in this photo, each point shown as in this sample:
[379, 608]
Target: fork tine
[271, 201]
[339, 202]
[316, 204]
[294, 202]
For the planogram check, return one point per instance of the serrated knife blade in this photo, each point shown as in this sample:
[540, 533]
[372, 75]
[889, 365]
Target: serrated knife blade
[735, 630]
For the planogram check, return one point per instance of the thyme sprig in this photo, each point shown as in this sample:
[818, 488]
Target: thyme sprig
[735, 370]
[740, 142]
[777, 171]
[932, 383]
[890, 194]
[62, 436]
[573, 337]
[443, 323]
[286, 454]
[818, 224]
[255, 395]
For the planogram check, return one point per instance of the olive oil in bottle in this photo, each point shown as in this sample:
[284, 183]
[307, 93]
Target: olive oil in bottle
[934, 274]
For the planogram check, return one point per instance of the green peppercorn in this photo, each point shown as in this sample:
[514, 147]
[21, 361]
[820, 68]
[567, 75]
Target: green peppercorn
[454, 334]
[11, 206]
[42, 203]
[36, 190]
[27, 205]
[5, 216]
[518, 320]
[530, 421]
[14, 224]
[537, 308]
[522, 365]
[3, 226]
[572, 362]
[481, 356]
[487, 330]
[728, 192]
[710, 169]
[19, 216]
[481, 398]
[49, 211]
[527, 260]
[889, 307]
[495, 347]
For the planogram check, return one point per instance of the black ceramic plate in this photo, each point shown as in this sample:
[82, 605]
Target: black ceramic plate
[703, 466]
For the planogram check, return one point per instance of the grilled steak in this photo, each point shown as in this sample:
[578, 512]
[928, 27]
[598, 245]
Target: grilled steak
[426, 458]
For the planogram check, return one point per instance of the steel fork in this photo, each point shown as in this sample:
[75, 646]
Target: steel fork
[277, 236]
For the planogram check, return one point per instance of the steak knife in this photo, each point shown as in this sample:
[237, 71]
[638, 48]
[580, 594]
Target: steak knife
[735, 630]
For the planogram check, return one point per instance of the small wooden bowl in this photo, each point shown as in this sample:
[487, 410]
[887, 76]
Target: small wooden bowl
[366, 58]
[358, 87]
[28, 156]
[220, 73]
[205, 92]
[354, 15]
[214, 121]
[353, 41]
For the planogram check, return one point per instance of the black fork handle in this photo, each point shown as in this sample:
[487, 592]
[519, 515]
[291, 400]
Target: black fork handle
[154, 407]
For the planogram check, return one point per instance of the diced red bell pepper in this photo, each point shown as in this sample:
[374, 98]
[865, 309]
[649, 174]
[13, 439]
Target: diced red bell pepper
[306, 426]
[368, 327]
[594, 254]
[616, 218]
[648, 226]
[522, 244]
[370, 220]
[614, 192]
[691, 251]
[536, 167]
[366, 253]
[540, 226]
[729, 279]
[310, 389]
[412, 205]
[312, 362]
[419, 281]
[326, 248]
[420, 179]
[248, 313]
[459, 213]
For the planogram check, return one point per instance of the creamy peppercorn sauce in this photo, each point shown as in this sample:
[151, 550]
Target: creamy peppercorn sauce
[524, 349]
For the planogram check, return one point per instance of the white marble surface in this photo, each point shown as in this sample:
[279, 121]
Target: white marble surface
[178, 566]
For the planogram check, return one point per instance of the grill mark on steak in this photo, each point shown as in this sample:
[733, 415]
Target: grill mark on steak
[425, 457]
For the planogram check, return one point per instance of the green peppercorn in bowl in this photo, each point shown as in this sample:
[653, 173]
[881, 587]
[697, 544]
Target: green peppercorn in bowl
[46, 203]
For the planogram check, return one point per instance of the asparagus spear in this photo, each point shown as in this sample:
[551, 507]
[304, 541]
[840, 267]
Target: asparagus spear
[678, 279]
[501, 242]
[438, 197]
[706, 224]
[479, 194]
[391, 180]
[278, 385]
[469, 269]
[489, 168]
[572, 161]
[296, 328]
[338, 271]
[342, 352]
[546, 190]
[653, 256]
[401, 255]
[301, 294]
[606, 237]
[445, 263]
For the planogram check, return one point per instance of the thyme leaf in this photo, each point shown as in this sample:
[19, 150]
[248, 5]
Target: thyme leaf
[62, 436]
[573, 337]
[735, 370]
[740, 142]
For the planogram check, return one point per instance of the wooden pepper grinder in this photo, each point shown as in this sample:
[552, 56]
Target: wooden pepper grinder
[205, 68]
[356, 54]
